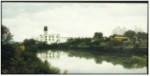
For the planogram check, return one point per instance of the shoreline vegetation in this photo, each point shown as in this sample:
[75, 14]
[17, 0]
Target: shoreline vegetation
[130, 42]
[20, 58]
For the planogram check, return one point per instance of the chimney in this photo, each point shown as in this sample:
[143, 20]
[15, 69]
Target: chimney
[45, 30]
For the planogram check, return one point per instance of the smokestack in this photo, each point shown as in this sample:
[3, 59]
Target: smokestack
[45, 30]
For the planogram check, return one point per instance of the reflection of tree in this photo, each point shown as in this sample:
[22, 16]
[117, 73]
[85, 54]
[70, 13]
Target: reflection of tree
[127, 61]
[46, 63]
[98, 60]
[135, 62]
[55, 69]
[80, 54]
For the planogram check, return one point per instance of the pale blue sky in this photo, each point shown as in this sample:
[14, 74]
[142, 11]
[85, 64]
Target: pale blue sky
[26, 20]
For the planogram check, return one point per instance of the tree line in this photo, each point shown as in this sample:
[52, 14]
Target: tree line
[136, 40]
[98, 41]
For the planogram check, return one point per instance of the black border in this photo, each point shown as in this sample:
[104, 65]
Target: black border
[92, 2]
[83, 1]
[148, 38]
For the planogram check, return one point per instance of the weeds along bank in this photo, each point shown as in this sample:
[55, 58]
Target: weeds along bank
[18, 61]
[17, 58]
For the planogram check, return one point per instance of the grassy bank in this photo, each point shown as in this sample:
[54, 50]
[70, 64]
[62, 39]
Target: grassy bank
[17, 61]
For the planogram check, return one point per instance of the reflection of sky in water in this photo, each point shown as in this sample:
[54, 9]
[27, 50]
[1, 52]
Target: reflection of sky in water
[82, 65]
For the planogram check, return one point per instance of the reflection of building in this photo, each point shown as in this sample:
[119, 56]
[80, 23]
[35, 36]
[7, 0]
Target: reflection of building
[51, 38]
[49, 55]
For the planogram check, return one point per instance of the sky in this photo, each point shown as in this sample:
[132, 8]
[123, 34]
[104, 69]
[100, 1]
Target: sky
[27, 20]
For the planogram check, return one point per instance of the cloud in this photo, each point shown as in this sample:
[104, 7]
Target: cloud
[71, 19]
[11, 10]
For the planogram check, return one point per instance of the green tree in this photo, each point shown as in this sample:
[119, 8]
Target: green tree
[8, 50]
[30, 44]
[6, 35]
[142, 35]
[98, 36]
[131, 34]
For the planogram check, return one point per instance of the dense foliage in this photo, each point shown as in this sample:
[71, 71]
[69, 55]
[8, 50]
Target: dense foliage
[18, 61]
[127, 59]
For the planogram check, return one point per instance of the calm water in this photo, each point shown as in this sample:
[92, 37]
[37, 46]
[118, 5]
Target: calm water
[85, 62]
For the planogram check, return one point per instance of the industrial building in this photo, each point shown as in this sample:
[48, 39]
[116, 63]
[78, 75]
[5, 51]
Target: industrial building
[51, 38]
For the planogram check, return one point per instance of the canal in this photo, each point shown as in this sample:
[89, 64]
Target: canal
[73, 61]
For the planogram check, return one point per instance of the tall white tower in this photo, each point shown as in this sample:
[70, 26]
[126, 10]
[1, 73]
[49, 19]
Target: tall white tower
[45, 30]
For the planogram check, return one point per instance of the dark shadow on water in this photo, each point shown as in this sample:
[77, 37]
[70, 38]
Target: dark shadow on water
[127, 58]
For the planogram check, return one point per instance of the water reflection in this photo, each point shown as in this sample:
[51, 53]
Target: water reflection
[49, 55]
[89, 62]
[127, 61]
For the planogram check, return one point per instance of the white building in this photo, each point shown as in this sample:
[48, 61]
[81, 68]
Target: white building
[51, 38]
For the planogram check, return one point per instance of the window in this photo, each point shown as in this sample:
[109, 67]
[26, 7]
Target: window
[45, 38]
[57, 36]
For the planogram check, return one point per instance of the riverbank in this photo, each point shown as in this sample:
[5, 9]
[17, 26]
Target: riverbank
[18, 58]
[23, 62]
[99, 49]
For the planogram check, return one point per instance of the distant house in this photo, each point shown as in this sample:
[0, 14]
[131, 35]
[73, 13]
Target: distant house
[120, 38]
[51, 38]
